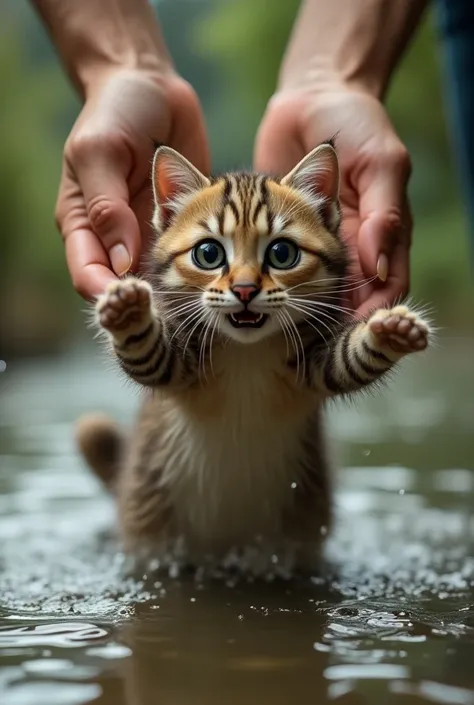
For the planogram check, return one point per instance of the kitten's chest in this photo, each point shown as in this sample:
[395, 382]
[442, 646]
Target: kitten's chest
[250, 389]
[237, 446]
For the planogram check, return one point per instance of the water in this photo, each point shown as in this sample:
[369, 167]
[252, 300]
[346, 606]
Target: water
[390, 621]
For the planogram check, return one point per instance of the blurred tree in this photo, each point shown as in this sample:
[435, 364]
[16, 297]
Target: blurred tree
[34, 310]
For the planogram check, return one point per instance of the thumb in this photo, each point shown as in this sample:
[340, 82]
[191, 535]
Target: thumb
[106, 194]
[384, 216]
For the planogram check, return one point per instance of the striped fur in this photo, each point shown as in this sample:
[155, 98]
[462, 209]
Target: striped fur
[229, 446]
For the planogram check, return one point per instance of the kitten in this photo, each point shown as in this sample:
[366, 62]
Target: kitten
[238, 341]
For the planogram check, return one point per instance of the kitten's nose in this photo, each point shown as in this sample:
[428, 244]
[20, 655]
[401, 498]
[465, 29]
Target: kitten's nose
[245, 292]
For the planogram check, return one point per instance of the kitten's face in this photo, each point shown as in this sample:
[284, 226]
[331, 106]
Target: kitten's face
[252, 253]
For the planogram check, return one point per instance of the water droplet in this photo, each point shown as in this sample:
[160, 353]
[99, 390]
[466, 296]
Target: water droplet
[366, 452]
[401, 492]
[192, 599]
[294, 485]
[3, 365]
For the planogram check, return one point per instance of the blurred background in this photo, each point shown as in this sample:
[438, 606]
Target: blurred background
[230, 52]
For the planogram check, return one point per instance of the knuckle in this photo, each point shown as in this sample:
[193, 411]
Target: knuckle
[104, 214]
[86, 145]
[398, 158]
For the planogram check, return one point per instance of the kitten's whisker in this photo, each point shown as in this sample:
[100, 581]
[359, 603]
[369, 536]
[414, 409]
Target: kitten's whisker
[297, 343]
[201, 318]
[349, 279]
[291, 336]
[315, 296]
[202, 348]
[175, 292]
[338, 287]
[282, 325]
[318, 320]
[179, 310]
[184, 324]
[313, 311]
[317, 305]
[303, 357]
[306, 309]
[214, 328]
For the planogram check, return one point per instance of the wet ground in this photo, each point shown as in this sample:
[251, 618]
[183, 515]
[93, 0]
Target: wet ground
[392, 620]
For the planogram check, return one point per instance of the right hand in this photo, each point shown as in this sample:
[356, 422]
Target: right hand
[375, 167]
[105, 201]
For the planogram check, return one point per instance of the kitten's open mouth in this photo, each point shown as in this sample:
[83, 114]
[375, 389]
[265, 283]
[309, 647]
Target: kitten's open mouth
[247, 319]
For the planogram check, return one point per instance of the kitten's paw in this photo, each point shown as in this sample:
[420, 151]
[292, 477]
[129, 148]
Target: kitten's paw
[399, 329]
[126, 304]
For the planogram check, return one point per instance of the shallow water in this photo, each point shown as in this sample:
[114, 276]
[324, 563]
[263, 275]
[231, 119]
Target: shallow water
[392, 621]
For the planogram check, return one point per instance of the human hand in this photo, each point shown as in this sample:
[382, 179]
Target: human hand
[375, 169]
[104, 204]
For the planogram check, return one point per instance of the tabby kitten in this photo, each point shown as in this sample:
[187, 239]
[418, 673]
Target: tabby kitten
[238, 340]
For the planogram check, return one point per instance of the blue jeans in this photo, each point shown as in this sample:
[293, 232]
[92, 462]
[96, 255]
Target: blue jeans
[456, 26]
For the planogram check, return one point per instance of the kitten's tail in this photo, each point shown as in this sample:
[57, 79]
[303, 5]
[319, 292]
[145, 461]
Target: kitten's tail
[101, 441]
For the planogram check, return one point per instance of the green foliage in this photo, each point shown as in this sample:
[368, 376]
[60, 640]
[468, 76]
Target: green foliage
[246, 40]
[31, 250]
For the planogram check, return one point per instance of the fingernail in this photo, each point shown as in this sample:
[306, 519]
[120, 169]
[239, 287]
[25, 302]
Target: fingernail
[120, 259]
[382, 268]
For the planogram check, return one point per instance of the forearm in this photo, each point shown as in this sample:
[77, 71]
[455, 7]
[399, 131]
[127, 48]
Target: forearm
[358, 42]
[92, 36]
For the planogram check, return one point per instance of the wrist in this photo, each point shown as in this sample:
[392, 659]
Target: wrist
[96, 38]
[354, 43]
[97, 75]
[324, 75]
[98, 64]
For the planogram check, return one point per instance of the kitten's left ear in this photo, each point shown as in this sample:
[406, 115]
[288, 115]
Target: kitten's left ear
[175, 180]
[316, 176]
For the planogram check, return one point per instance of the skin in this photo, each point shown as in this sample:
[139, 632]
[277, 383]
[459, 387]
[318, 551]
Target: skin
[133, 95]
[332, 82]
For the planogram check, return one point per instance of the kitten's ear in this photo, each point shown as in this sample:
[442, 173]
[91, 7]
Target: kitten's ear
[317, 178]
[175, 180]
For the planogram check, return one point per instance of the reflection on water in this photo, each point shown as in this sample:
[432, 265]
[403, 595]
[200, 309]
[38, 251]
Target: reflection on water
[390, 621]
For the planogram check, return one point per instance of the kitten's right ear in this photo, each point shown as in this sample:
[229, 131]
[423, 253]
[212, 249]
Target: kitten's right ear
[316, 177]
[175, 180]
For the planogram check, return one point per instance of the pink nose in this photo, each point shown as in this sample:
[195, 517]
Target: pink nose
[245, 292]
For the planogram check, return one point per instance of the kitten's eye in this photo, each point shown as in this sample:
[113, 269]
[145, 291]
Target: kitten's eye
[209, 255]
[283, 254]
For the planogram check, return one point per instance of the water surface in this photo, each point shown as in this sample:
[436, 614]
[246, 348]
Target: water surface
[391, 621]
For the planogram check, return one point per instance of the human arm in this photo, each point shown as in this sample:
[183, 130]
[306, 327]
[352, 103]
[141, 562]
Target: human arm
[335, 73]
[116, 57]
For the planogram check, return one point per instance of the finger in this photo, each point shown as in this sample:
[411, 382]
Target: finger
[384, 213]
[102, 178]
[188, 131]
[87, 259]
[397, 284]
[278, 146]
[88, 263]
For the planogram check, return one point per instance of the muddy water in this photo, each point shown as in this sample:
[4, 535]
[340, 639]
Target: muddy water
[391, 621]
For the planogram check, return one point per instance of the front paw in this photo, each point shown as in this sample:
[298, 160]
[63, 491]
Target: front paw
[398, 329]
[125, 306]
